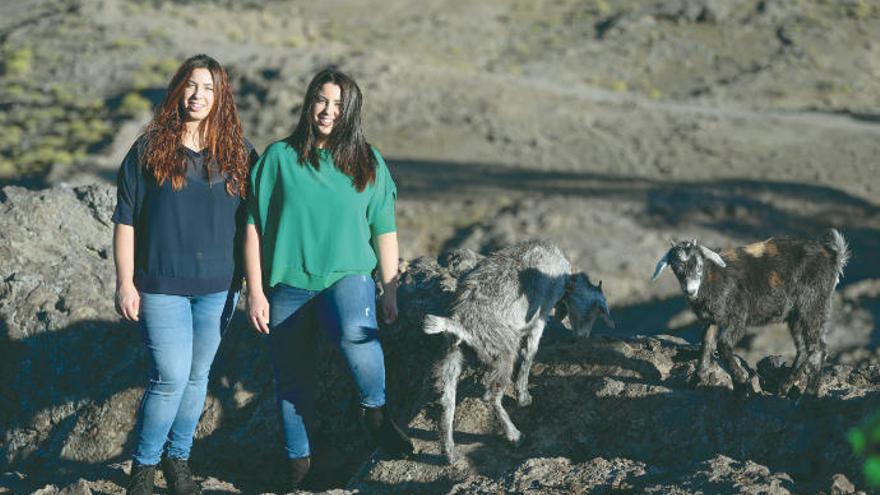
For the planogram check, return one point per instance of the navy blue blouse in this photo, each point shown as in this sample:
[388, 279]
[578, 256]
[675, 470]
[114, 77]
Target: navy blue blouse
[187, 242]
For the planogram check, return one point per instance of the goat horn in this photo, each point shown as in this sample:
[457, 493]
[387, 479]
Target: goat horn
[661, 264]
[712, 256]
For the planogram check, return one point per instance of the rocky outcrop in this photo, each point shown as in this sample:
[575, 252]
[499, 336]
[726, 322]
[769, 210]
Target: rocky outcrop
[610, 413]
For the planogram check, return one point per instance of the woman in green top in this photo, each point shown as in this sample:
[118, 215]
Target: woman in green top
[321, 210]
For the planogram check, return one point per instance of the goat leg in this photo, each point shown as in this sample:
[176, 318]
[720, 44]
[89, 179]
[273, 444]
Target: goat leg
[707, 371]
[806, 372]
[501, 379]
[745, 382]
[447, 381]
[523, 398]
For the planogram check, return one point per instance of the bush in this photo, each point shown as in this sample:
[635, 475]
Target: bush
[17, 63]
[133, 104]
[46, 126]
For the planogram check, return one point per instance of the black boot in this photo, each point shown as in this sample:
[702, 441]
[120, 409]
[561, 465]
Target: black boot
[179, 477]
[386, 433]
[297, 469]
[141, 480]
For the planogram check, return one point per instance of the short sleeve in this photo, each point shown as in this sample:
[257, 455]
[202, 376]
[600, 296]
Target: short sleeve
[262, 183]
[127, 186]
[380, 210]
[249, 203]
[253, 156]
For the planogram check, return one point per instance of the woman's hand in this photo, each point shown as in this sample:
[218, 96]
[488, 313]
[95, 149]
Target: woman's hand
[128, 301]
[258, 311]
[389, 269]
[258, 305]
[389, 303]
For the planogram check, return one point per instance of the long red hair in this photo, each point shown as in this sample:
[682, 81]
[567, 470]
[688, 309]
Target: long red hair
[225, 145]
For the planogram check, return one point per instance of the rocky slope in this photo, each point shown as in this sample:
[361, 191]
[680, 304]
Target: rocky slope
[609, 127]
[613, 413]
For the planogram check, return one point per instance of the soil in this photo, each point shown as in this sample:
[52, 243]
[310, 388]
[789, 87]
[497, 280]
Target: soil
[608, 127]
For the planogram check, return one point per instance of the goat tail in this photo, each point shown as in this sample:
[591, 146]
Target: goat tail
[835, 242]
[438, 324]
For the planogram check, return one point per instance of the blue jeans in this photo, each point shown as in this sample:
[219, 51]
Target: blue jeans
[345, 312]
[182, 334]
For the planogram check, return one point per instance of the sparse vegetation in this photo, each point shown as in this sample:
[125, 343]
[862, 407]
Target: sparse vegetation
[47, 126]
[154, 73]
[133, 104]
[654, 50]
[17, 61]
[620, 86]
[126, 43]
[858, 9]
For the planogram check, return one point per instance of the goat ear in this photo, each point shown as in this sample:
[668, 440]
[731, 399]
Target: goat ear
[712, 256]
[660, 266]
[605, 313]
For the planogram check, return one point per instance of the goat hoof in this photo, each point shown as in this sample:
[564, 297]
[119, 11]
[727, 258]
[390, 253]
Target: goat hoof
[792, 392]
[451, 456]
[754, 385]
[516, 439]
[793, 389]
[749, 389]
[741, 392]
[709, 379]
[524, 399]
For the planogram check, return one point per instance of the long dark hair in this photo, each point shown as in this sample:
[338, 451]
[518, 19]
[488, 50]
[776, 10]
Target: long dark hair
[225, 143]
[347, 145]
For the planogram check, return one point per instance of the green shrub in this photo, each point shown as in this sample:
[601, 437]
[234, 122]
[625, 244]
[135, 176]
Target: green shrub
[7, 168]
[126, 43]
[133, 104]
[167, 67]
[47, 126]
[865, 442]
[17, 63]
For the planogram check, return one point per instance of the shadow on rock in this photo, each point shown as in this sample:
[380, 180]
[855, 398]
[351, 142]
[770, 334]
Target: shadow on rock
[745, 209]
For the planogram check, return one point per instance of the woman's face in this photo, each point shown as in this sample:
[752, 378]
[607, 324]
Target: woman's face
[198, 95]
[327, 108]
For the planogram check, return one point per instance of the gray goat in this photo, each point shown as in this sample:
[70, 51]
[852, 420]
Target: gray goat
[780, 279]
[506, 298]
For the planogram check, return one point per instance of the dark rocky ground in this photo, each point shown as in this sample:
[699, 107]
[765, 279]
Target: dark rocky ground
[614, 413]
[609, 127]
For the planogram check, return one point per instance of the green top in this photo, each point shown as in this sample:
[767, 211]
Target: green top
[315, 228]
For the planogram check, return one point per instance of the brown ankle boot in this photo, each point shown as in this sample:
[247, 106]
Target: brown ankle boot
[179, 477]
[297, 469]
[140, 481]
[386, 433]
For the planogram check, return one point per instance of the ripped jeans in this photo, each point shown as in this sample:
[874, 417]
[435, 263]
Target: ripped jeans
[346, 313]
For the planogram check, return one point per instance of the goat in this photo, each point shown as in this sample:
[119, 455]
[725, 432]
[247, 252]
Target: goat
[780, 279]
[505, 298]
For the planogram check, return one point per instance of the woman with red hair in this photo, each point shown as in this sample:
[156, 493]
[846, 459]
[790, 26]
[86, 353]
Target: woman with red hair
[179, 219]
